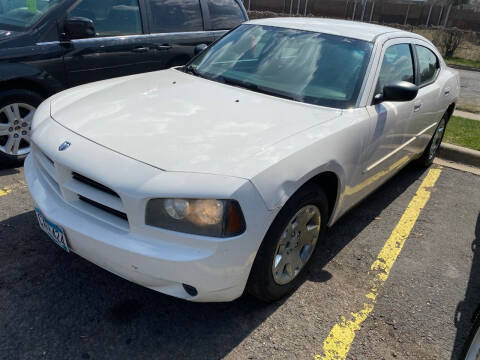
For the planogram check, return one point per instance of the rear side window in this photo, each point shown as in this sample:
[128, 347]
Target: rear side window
[224, 14]
[111, 18]
[427, 64]
[397, 66]
[176, 16]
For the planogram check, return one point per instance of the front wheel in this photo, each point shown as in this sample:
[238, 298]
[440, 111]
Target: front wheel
[17, 108]
[289, 245]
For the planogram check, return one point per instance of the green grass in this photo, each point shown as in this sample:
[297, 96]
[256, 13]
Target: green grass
[463, 132]
[465, 62]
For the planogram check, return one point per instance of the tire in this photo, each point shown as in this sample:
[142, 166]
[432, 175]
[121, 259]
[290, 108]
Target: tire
[269, 280]
[14, 130]
[433, 146]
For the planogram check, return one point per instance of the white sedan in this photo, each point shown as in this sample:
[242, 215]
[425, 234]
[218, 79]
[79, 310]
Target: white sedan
[223, 175]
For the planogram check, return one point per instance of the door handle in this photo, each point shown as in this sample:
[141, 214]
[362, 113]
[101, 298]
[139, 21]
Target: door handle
[164, 47]
[141, 49]
[446, 91]
[417, 107]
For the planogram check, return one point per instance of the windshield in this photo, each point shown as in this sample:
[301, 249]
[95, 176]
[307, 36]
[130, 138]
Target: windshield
[21, 14]
[301, 65]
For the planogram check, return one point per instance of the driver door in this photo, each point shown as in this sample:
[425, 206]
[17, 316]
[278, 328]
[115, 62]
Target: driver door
[119, 48]
[385, 147]
[386, 151]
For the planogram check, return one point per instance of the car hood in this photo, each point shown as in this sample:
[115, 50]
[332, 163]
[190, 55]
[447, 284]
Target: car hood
[179, 122]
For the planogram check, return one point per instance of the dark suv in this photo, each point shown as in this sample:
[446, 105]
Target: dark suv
[50, 45]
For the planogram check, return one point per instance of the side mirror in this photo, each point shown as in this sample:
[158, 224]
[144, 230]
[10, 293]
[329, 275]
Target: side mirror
[399, 91]
[199, 48]
[79, 28]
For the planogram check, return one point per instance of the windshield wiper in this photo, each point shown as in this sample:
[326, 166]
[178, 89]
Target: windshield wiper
[192, 70]
[254, 87]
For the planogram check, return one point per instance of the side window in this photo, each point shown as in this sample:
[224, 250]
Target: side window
[427, 64]
[397, 65]
[111, 18]
[176, 16]
[224, 14]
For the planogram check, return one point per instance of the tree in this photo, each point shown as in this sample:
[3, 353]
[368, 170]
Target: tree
[449, 40]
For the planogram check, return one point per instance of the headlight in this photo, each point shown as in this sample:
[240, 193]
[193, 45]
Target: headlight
[210, 217]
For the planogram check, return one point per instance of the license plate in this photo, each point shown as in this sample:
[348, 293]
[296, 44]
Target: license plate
[54, 231]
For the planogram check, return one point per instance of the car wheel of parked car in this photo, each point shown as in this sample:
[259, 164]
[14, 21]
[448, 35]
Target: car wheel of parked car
[16, 113]
[434, 145]
[289, 245]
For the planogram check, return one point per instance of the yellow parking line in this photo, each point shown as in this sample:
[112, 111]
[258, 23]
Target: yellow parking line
[8, 189]
[338, 342]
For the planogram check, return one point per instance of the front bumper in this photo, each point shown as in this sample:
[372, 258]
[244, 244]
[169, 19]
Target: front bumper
[158, 259]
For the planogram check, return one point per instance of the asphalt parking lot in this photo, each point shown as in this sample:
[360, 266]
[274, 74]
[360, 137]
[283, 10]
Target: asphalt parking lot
[55, 305]
[469, 87]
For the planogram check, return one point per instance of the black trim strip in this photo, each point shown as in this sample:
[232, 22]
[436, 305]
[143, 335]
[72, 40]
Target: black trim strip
[104, 208]
[437, 73]
[93, 184]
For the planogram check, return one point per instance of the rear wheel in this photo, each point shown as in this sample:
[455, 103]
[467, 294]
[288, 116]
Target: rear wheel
[434, 145]
[17, 108]
[288, 247]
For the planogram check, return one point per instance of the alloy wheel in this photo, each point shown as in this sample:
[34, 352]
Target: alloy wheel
[437, 139]
[15, 128]
[296, 244]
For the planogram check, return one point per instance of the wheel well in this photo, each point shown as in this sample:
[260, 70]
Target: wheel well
[24, 84]
[328, 181]
[450, 110]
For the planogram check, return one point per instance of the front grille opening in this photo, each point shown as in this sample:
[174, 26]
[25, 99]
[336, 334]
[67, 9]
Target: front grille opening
[49, 160]
[94, 184]
[107, 209]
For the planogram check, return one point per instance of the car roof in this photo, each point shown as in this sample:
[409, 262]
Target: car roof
[346, 28]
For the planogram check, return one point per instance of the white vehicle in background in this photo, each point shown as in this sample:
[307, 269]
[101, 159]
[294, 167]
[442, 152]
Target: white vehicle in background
[222, 175]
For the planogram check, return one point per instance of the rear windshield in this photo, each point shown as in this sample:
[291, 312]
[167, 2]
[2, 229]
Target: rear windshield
[21, 14]
[305, 66]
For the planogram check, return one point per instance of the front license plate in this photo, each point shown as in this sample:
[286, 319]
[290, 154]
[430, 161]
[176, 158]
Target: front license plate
[54, 231]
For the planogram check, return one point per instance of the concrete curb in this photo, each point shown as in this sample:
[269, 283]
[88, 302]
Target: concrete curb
[459, 154]
[463, 67]
[466, 115]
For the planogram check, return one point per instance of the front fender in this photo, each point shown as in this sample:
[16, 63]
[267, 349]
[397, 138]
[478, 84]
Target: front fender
[335, 146]
[23, 75]
[11, 71]
[40, 64]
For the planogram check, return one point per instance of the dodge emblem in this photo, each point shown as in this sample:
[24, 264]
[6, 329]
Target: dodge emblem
[64, 146]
